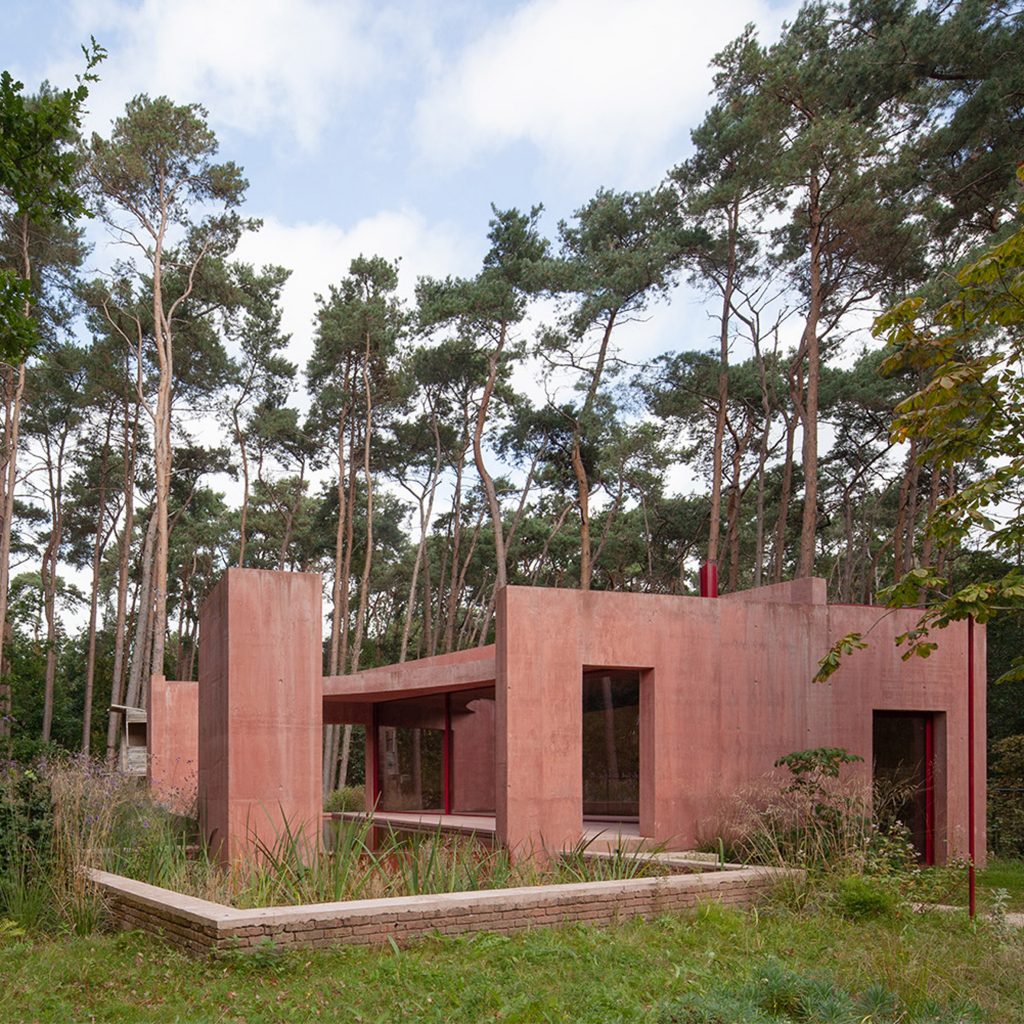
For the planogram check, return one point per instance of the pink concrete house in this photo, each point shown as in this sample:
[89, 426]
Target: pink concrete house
[634, 714]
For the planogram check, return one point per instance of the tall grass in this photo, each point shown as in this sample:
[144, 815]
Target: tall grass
[60, 816]
[64, 815]
[362, 861]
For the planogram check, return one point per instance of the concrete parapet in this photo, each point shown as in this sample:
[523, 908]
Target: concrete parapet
[200, 926]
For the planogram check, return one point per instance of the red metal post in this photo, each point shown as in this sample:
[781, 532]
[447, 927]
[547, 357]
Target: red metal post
[929, 789]
[446, 754]
[970, 768]
[709, 579]
[375, 767]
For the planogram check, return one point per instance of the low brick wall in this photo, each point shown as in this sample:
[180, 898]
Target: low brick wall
[200, 926]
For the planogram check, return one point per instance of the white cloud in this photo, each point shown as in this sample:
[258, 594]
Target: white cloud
[259, 66]
[591, 83]
[319, 255]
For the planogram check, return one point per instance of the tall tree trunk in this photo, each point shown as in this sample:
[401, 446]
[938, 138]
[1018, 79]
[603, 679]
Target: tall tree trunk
[901, 531]
[332, 733]
[927, 541]
[736, 491]
[99, 538]
[14, 381]
[364, 582]
[723, 383]
[481, 468]
[131, 441]
[12, 423]
[579, 470]
[162, 459]
[244, 510]
[425, 516]
[451, 608]
[145, 619]
[810, 344]
[785, 495]
[53, 451]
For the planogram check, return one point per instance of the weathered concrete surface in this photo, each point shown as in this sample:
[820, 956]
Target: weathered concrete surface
[472, 754]
[260, 693]
[173, 740]
[725, 690]
[459, 670]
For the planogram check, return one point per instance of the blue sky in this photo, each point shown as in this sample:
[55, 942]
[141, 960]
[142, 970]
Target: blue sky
[390, 128]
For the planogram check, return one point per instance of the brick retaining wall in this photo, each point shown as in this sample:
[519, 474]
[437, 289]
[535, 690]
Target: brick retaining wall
[200, 926]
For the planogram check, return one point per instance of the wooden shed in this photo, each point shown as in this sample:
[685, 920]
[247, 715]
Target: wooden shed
[134, 744]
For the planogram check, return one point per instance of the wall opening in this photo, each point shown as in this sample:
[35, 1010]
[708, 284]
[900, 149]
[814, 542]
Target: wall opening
[436, 753]
[611, 744]
[411, 754]
[903, 774]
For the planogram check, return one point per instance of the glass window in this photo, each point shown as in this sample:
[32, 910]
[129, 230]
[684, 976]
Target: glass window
[611, 744]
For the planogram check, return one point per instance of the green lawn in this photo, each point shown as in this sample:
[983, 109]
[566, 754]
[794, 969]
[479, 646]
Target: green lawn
[715, 967]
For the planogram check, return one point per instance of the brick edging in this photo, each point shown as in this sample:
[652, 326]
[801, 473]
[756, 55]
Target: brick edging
[201, 926]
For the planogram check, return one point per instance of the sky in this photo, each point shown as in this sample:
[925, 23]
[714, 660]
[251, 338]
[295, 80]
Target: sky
[390, 129]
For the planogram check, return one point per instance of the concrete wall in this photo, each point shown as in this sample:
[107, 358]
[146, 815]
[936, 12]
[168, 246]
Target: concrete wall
[173, 739]
[260, 696]
[725, 690]
[473, 758]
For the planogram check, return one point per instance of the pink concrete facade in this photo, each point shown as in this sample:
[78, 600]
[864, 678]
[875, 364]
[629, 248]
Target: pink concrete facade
[173, 741]
[260, 693]
[724, 690]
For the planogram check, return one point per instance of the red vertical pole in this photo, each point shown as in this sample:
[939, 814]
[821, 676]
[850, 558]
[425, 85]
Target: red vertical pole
[970, 767]
[709, 579]
[375, 767]
[446, 754]
[929, 790]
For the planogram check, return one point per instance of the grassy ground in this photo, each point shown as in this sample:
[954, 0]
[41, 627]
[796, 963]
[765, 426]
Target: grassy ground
[948, 885]
[715, 967]
[1004, 874]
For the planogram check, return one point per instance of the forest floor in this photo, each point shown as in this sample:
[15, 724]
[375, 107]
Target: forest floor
[777, 964]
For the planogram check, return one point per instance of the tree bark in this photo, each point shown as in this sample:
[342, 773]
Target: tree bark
[131, 441]
[785, 495]
[478, 456]
[12, 422]
[810, 345]
[99, 539]
[579, 470]
[723, 384]
[145, 618]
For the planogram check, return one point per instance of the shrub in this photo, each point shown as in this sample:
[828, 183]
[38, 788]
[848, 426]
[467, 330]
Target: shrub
[348, 798]
[827, 825]
[860, 896]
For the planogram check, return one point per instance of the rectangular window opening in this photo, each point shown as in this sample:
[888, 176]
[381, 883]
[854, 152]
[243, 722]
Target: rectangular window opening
[903, 775]
[611, 744]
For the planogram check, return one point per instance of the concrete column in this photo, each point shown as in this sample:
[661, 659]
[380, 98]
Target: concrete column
[173, 739]
[260, 711]
[539, 720]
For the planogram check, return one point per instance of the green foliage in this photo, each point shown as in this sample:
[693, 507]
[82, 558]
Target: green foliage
[831, 660]
[859, 896]
[38, 182]
[1006, 797]
[968, 350]
[347, 798]
[26, 817]
[810, 767]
